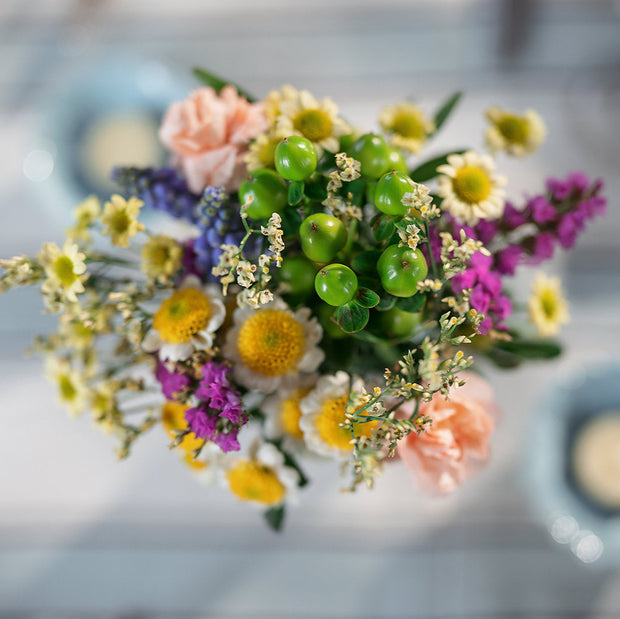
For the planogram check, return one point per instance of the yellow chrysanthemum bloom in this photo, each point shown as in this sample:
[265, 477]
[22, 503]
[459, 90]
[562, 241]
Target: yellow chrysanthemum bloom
[65, 269]
[517, 134]
[261, 152]
[120, 218]
[470, 188]
[548, 309]
[161, 257]
[323, 413]
[407, 124]
[85, 215]
[262, 478]
[316, 121]
[71, 385]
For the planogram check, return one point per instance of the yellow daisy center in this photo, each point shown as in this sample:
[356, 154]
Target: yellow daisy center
[63, 269]
[408, 124]
[471, 184]
[271, 342]
[159, 255]
[290, 413]
[549, 303]
[315, 125]
[173, 418]
[252, 481]
[119, 222]
[68, 392]
[328, 424]
[184, 314]
[514, 129]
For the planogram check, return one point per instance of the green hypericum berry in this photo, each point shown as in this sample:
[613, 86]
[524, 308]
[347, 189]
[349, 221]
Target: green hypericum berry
[268, 191]
[295, 158]
[373, 153]
[336, 284]
[398, 323]
[400, 270]
[389, 192]
[298, 272]
[322, 237]
[396, 161]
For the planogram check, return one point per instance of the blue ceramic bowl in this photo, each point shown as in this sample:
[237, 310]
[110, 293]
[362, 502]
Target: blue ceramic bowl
[591, 530]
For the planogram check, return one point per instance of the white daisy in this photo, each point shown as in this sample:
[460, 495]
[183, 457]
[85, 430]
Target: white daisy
[407, 124]
[65, 269]
[261, 477]
[186, 321]
[301, 114]
[71, 384]
[517, 135]
[470, 189]
[270, 346]
[323, 413]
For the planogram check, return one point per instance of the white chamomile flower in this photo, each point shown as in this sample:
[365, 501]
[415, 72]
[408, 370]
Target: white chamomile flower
[65, 269]
[517, 134]
[282, 412]
[470, 188]
[548, 309]
[186, 321]
[407, 124]
[269, 347]
[261, 477]
[323, 414]
[301, 114]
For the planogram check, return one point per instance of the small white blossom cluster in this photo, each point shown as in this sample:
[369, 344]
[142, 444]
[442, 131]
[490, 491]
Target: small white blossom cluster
[418, 199]
[456, 255]
[19, 271]
[348, 170]
[410, 236]
[429, 285]
[349, 167]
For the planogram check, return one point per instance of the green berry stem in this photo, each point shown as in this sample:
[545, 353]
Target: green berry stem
[416, 410]
[430, 251]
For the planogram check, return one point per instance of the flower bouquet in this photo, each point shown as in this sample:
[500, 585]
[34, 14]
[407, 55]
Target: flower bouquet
[325, 298]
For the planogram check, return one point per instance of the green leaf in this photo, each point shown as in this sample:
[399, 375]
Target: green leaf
[217, 83]
[446, 109]
[504, 359]
[387, 302]
[316, 189]
[290, 461]
[531, 349]
[352, 317]
[357, 189]
[428, 169]
[295, 192]
[384, 229]
[275, 517]
[365, 263]
[412, 304]
[367, 298]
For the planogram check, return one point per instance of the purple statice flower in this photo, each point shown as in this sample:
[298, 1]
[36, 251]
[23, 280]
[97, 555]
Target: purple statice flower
[189, 259]
[507, 259]
[220, 415]
[568, 230]
[163, 189]
[513, 218]
[171, 382]
[541, 247]
[541, 210]
[485, 231]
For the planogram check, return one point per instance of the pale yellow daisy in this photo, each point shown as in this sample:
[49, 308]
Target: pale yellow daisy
[269, 347]
[65, 269]
[407, 126]
[186, 321]
[470, 188]
[323, 413]
[161, 257]
[548, 309]
[120, 218]
[517, 134]
[71, 384]
[85, 215]
[316, 121]
[261, 477]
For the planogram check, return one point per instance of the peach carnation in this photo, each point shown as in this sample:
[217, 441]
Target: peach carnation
[457, 442]
[209, 134]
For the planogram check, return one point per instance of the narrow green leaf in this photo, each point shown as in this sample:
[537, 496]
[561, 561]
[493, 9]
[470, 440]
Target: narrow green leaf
[275, 517]
[365, 263]
[412, 304]
[290, 461]
[446, 109]
[428, 169]
[384, 229]
[367, 298]
[531, 349]
[295, 192]
[217, 83]
[504, 359]
[352, 317]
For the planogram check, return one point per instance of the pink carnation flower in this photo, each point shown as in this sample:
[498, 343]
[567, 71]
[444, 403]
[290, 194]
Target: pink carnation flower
[457, 443]
[209, 134]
